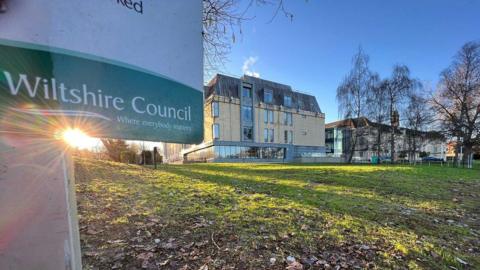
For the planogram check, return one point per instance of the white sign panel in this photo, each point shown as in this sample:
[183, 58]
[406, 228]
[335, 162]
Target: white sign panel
[128, 69]
[161, 36]
[131, 69]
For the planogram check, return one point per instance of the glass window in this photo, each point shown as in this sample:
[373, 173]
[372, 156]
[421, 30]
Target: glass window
[268, 135]
[252, 152]
[247, 114]
[247, 133]
[215, 109]
[268, 117]
[287, 101]
[329, 134]
[243, 152]
[267, 96]
[246, 92]
[288, 136]
[329, 148]
[221, 151]
[216, 131]
[287, 118]
[266, 153]
[235, 152]
[227, 151]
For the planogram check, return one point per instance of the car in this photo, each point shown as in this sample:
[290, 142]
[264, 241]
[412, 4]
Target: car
[385, 160]
[432, 159]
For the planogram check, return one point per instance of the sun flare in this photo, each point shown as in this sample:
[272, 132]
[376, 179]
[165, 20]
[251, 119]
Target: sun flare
[76, 138]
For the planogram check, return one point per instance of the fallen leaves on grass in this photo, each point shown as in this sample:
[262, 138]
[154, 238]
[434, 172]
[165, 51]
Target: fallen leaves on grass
[215, 217]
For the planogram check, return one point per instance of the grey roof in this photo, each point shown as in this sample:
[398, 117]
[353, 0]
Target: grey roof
[227, 86]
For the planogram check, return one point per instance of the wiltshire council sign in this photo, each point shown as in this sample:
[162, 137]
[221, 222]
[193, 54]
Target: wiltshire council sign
[121, 68]
[128, 69]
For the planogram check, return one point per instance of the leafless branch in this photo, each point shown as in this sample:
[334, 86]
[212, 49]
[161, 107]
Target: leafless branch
[222, 24]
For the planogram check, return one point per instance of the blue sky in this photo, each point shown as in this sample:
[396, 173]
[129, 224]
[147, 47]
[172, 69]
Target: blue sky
[313, 52]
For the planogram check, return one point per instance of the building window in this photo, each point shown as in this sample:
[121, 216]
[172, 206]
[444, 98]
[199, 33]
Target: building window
[267, 96]
[248, 133]
[216, 131]
[329, 148]
[288, 136]
[268, 117]
[287, 118]
[268, 135]
[235, 152]
[304, 132]
[215, 109]
[247, 114]
[329, 134]
[287, 101]
[271, 135]
[246, 92]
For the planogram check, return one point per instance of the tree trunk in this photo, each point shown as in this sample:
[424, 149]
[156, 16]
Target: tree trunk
[392, 135]
[392, 146]
[467, 150]
[457, 153]
[353, 145]
[379, 141]
[414, 148]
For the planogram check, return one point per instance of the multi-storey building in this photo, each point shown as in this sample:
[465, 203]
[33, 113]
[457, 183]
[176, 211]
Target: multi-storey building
[374, 139]
[253, 119]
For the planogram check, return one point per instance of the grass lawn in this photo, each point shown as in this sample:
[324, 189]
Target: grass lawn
[262, 216]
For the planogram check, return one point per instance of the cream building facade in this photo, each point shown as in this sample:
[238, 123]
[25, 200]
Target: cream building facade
[251, 119]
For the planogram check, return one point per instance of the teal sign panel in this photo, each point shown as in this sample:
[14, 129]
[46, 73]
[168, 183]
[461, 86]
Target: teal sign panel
[106, 98]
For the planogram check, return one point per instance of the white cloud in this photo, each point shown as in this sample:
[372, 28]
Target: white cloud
[247, 67]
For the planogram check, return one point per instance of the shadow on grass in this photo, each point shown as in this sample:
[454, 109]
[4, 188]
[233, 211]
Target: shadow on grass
[382, 214]
[257, 180]
[373, 210]
[384, 181]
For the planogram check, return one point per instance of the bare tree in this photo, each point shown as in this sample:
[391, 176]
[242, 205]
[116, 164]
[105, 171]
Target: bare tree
[115, 148]
[222, 23]
[352, 96]
[377, 109]
[397, 89]
[418, 116]
[457, 100]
